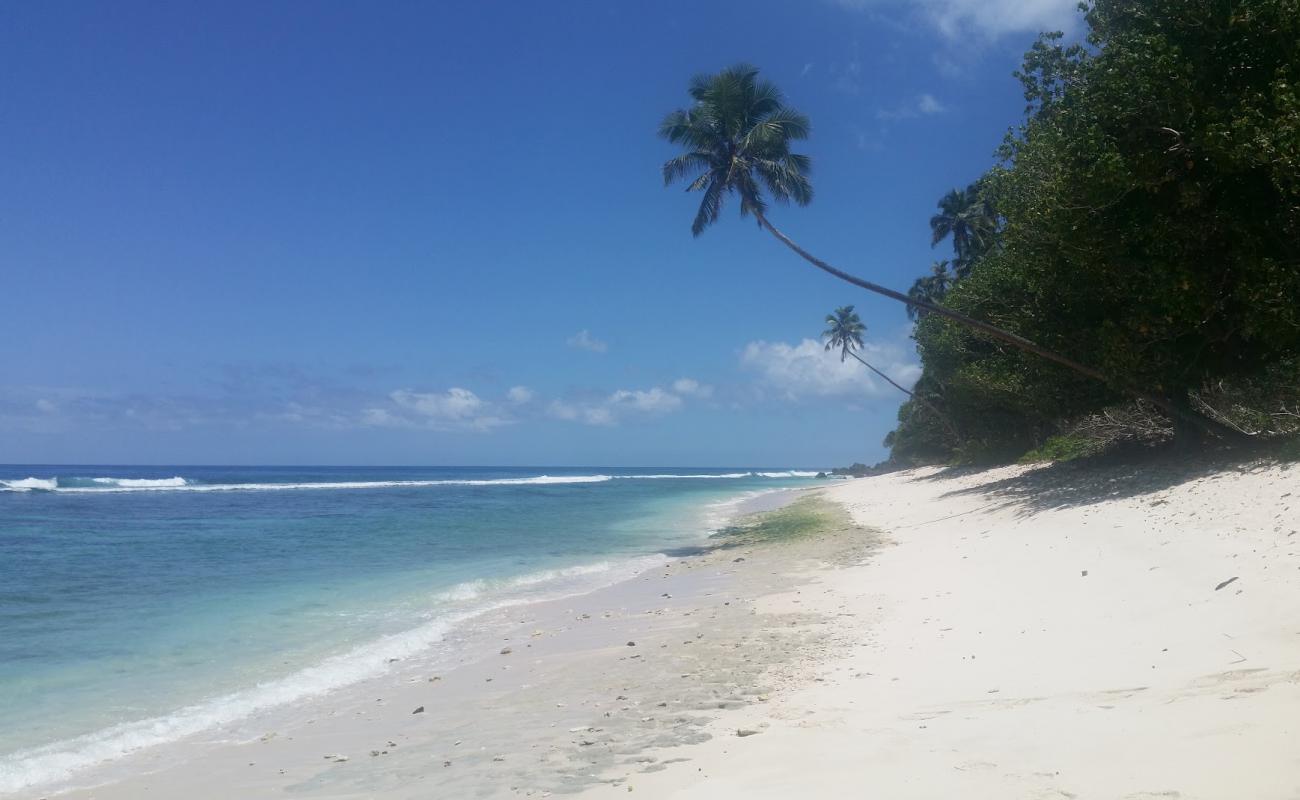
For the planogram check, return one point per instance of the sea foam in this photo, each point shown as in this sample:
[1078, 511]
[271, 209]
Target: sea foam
[177, 483]
[30, 484]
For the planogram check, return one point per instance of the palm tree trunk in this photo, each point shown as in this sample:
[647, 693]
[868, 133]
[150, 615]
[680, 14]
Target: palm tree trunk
[1170, 409]
[943, 418]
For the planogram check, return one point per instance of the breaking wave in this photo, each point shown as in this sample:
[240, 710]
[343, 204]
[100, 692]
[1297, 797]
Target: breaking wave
[179, 484]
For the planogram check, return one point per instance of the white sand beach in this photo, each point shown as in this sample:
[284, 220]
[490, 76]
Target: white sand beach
[1051, 632]
[1038, 632]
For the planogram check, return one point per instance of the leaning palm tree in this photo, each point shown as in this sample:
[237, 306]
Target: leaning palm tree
[844, 330]
[736, 138]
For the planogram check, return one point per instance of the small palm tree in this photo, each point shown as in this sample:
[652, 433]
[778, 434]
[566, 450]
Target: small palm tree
[967, 216]
[844, 330]
[737, 135]
[952, 220]
[930, 289]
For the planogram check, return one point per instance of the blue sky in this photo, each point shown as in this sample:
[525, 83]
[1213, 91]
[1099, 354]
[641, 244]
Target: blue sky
[435, 233]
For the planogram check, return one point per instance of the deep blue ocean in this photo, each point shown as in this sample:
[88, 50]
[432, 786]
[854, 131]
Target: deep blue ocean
[141, 604]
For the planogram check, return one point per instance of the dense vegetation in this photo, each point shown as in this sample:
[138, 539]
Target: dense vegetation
[1144, 220]
[1129, 268]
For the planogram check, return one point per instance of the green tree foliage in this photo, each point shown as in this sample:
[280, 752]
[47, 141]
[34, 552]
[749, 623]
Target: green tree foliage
[1147, 220]
[930, 289]
[736, 137]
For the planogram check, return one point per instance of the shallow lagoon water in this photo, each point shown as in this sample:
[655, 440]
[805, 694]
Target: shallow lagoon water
[141, 604]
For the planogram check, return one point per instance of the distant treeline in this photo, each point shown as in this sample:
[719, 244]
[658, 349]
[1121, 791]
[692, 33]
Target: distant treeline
[1143, 219]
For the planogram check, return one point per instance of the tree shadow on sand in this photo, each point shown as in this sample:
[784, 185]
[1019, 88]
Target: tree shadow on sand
[1124, 475]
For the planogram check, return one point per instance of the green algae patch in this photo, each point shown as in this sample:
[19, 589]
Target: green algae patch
[805, 517]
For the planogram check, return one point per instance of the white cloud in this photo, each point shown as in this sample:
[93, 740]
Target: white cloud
[583, 340]
[454, 409]
[456, 403]
[959, 19]
[520, 395]
[614, 407]
[689, 387]
[923, 105]
[926, 104]
[649, 401]
[590, 414]
[807, 369]
[381, 418]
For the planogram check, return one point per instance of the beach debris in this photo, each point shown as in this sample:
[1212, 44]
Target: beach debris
[418, 710]
[1085, 573]
[337, 758]
[742, 732]
[498, 758]
[631, 644]
[505, 651]
[435, 678]
[737, 560]
[1225, 583]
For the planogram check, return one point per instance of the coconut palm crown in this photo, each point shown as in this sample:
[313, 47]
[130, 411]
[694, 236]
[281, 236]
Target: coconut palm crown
[844, 331]
[969, 217]
[736, 139]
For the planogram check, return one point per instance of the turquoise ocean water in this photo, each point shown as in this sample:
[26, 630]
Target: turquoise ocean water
[139, 605]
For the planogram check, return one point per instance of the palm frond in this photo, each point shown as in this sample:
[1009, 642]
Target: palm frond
[710, 207]
[674, 126]
[751, 197]
[702, 181]
[764, 100]
[736, 138]
[784, 181]
[788, 123]
[685, 165]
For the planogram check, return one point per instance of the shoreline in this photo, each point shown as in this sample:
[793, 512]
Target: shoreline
[1113, 631]
[463, 633]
